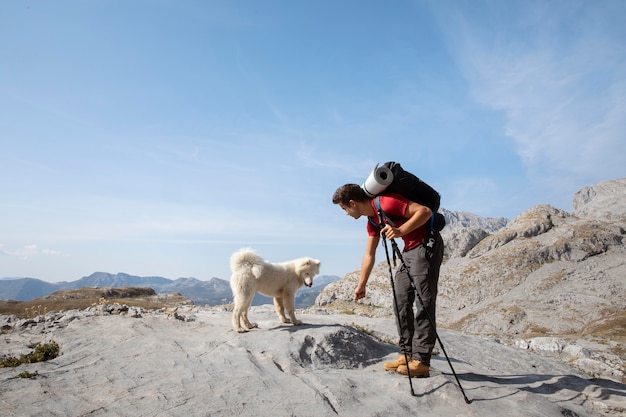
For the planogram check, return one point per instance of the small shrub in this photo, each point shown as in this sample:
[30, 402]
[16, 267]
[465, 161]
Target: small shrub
[10, 362]
[45, 352]
[27, 374]
[40, 353]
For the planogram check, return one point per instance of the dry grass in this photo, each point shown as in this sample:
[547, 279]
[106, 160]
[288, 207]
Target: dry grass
[611, 328]
[375, 335]
[351, 307]
[88, 296]
[537, 331]
[460, 324]
[551, 281]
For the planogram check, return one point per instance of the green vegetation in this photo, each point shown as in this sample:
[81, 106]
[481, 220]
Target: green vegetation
[41, 353]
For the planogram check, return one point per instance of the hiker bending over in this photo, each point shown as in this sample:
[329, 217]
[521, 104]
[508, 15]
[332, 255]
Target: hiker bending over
[411, 223]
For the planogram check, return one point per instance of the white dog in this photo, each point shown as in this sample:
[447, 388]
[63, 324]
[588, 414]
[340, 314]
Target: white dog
[251, 274]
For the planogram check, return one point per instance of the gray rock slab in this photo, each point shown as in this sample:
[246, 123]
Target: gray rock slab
[196, 365]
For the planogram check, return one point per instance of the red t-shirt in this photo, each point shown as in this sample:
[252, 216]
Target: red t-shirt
[394, 206]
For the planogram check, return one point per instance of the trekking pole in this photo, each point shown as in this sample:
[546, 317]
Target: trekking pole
[395, 304]
[396, 251]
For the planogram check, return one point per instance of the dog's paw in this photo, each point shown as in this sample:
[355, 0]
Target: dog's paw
[252, 325]
[297, 323]
[240, 330]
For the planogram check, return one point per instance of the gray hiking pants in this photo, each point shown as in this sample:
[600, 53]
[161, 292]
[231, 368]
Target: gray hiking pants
[417, 333]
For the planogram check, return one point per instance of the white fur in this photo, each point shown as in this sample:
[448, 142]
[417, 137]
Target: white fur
[251, 274]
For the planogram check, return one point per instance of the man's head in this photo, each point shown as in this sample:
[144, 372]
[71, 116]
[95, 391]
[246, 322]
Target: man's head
[351, 198]
[348, 192]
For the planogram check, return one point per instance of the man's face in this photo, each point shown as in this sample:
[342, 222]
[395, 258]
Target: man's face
[351, 209]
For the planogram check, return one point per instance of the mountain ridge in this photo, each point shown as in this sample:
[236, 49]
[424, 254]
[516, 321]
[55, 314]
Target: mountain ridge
[213, 292]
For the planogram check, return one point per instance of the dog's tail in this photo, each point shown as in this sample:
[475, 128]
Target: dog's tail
[246, 261]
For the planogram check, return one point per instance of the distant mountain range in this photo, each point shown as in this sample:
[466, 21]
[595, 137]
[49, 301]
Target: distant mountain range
[213, 292]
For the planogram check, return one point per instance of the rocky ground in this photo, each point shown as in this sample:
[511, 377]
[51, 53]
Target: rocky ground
[190, 362]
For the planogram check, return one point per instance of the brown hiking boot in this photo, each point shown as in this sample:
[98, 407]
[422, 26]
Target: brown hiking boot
[416, 368]
[393, 365]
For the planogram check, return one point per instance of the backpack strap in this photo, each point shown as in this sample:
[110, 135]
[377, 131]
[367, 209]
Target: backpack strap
[382, 216]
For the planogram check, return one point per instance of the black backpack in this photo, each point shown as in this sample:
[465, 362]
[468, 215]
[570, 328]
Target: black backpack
[413, 188]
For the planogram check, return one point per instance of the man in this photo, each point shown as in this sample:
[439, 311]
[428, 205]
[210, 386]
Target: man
[410, 221]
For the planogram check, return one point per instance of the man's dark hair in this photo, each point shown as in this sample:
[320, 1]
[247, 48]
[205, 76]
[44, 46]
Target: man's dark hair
[348, 192]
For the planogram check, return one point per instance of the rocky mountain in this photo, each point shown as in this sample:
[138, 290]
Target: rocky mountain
[23, 289]
[545, 274]
[602, 201]
[213, 292]
[464, 230]
[104, 279]
[305, 297]
[465, 220]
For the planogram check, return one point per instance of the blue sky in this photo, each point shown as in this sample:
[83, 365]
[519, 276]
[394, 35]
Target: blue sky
[157, 137]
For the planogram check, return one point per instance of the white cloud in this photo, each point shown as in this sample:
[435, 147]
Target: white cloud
[470, 194]
[28, 251]
[561, 85]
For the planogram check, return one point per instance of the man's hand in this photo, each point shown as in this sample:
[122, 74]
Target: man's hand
[390, 232]
[359, 293]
